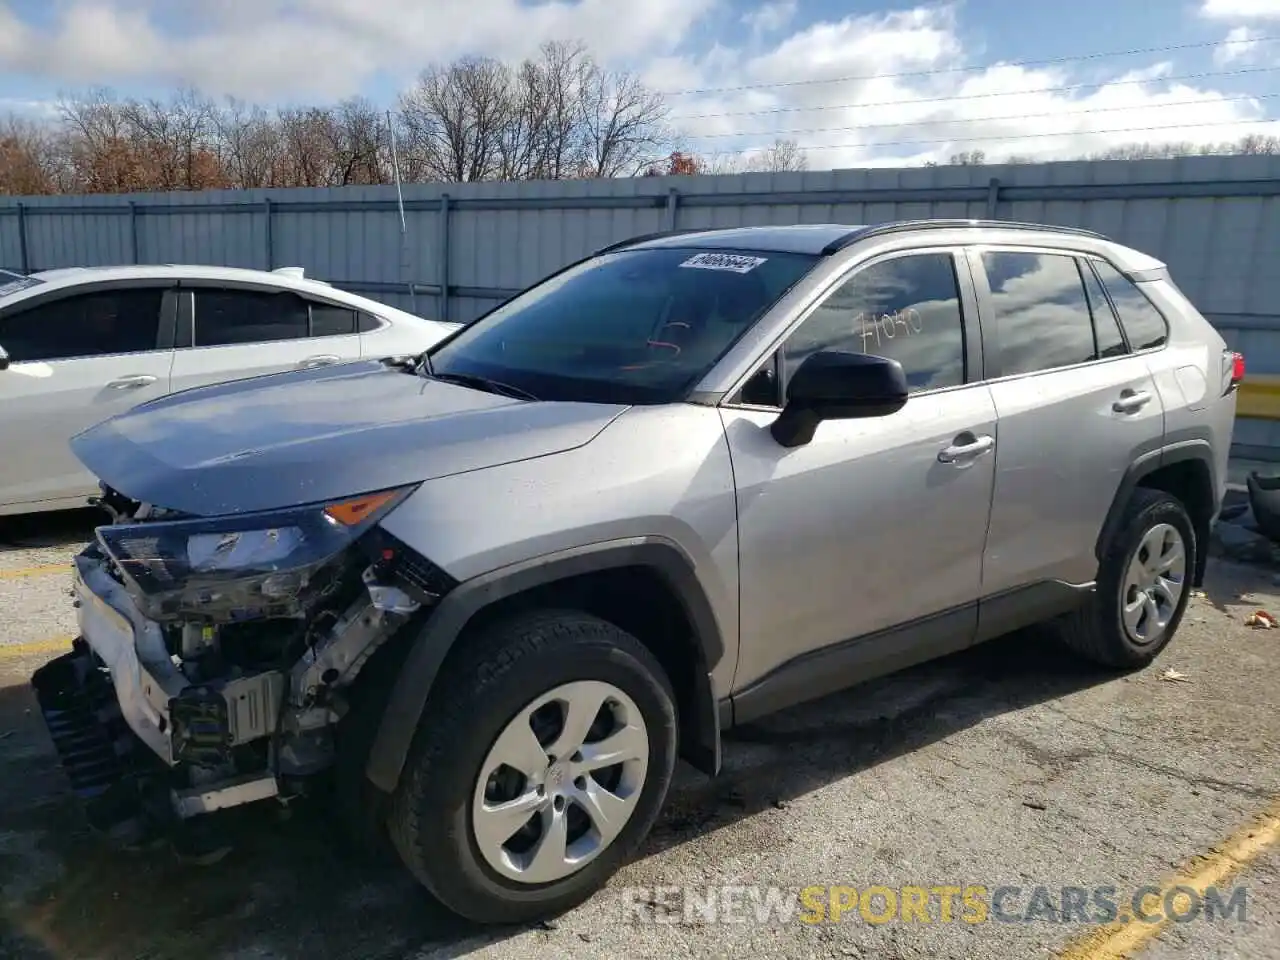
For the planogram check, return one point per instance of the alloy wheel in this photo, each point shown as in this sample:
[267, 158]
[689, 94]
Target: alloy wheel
[1153, 584]
[560, 782]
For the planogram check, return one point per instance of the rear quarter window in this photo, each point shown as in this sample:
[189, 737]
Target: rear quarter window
[1142, 322]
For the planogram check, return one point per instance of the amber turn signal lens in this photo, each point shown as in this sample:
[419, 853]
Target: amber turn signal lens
[352, 512]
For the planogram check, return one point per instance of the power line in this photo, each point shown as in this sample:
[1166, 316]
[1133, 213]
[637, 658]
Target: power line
[1015, 116]
[1029, 136]
[1051, 61]
[977, 96]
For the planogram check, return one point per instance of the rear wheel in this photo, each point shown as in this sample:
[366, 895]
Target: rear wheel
[538, 769]
[1143, 585]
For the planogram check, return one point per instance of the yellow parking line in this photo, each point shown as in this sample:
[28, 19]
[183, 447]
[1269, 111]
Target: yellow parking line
[15, 651]
[1126, 936]
[18, 573]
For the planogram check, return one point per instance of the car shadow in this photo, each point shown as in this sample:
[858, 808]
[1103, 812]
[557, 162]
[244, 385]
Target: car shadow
[55, 529]
[1234, 583]
[781, 758]
[288, 888]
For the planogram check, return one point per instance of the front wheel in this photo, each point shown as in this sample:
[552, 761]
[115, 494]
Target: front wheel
[538, 769]
[1143, 585]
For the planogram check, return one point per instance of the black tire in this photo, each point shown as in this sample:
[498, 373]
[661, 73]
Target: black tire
[1096, 631]
[504, 668]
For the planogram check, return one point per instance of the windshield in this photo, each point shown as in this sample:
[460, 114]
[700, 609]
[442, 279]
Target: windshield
[635, 326]
[13, 282]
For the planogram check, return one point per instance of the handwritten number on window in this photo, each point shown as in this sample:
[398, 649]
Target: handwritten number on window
[876, 329]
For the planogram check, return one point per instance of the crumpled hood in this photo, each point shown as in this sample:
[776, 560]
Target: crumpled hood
[316, 435]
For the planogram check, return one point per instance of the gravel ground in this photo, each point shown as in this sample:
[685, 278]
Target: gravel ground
[1007, 765]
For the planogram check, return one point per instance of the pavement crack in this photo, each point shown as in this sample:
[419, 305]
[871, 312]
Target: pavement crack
[1093, 725]
[1193, 780]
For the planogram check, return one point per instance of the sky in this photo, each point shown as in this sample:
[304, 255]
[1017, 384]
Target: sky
[853, 82]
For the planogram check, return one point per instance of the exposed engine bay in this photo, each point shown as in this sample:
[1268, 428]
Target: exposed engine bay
[215, 653]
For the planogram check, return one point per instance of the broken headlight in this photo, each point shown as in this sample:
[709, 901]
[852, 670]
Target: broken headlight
[237, 567]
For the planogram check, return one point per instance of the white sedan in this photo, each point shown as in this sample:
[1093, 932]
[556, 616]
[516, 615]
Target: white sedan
[83, 344]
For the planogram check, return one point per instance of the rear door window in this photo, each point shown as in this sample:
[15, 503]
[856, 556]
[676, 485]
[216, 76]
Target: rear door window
[1041, 312]
[226, 317]
[1106, 327]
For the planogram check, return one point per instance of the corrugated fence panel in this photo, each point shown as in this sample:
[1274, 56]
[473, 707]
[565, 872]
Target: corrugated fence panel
[11, 228]
[1214, 220]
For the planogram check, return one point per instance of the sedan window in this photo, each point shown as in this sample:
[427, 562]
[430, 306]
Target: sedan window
[224, 317]
[83, 325]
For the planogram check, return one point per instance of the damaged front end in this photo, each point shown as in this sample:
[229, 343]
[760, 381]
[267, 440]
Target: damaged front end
[215, 654]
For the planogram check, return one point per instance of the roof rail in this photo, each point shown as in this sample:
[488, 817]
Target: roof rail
[903, 226]
[656, 235]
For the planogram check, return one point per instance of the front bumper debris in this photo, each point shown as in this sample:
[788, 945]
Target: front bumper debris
[111, 771]
[150, 740]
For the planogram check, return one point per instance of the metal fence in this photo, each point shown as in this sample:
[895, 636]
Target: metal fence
[1214, 220]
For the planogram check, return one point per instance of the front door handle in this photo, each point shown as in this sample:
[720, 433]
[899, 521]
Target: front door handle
[1131, 401]
[133, 382]
[966, 447]
[319, 360]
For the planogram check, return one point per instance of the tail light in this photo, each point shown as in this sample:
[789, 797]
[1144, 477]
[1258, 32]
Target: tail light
[1232, 370]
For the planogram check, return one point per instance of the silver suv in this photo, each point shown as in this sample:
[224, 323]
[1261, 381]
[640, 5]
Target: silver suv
[484, 597]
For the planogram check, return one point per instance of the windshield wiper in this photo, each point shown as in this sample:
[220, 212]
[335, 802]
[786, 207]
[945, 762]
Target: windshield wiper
[483, 383]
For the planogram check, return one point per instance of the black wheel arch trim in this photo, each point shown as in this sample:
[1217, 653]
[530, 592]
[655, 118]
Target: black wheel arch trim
[1190, 445]
[445, 624]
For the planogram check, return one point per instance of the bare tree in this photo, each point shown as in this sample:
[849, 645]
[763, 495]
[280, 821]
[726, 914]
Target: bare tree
[779, 157]
[968, 158]
[454, 119]
[102, 150]
[307, 136]
[29, 161]
[355, 136]
[557, 114]
[623, 121]
[1256, 144]
[542, 138]
[1252, 144]
[176, 139]
[251, 145]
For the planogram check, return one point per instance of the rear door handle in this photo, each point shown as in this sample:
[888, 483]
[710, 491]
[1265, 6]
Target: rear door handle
[966, 447]
[319, 360]
[1131, 401]
[133, 382]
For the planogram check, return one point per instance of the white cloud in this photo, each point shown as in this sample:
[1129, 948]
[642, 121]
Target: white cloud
[858, 90]
[902, 90]
[770, 17]
[28, 109]
[1240, 46]
[1240, 9]
[297, 49]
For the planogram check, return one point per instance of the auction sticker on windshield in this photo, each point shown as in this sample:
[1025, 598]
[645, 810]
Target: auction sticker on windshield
[735, 262]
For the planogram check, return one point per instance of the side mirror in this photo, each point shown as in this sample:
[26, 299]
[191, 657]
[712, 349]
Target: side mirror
[4, 359]
[831, 385]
